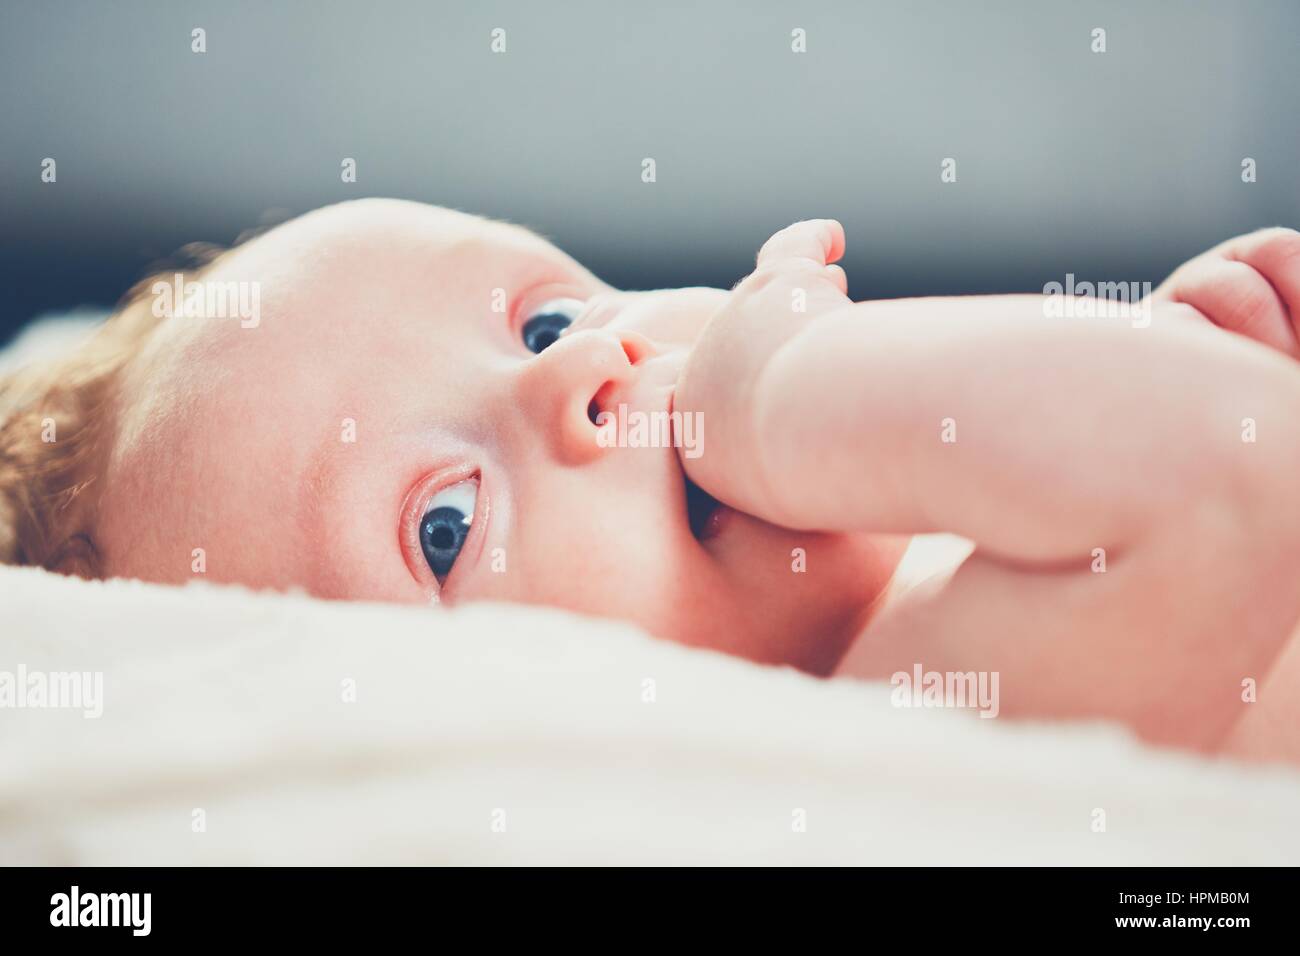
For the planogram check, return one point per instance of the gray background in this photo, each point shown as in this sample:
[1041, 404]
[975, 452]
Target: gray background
[1112, 166]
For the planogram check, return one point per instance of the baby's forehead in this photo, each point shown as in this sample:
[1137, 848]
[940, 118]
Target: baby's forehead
[369, 246]
[389, 226]
[330, 288]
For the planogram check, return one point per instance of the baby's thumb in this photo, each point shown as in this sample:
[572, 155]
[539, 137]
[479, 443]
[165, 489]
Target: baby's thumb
[818, 240]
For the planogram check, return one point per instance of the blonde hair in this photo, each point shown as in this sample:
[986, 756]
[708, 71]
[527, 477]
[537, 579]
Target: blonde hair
[56, 426]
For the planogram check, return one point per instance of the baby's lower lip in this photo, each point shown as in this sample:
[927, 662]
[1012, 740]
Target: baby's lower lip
[716, 522]
[703, 511]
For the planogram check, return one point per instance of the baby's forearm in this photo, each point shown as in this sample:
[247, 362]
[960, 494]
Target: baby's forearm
[1037, 437]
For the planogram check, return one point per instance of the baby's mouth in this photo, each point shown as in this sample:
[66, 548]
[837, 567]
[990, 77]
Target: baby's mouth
[701, 510]
[705, 514]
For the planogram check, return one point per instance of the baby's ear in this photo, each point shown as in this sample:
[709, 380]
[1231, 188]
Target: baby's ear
[77, 556]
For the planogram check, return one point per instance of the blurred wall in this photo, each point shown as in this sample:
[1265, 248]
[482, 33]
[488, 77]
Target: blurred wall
[1114, 165]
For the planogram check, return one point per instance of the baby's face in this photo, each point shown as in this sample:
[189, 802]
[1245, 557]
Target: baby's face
[396, 427]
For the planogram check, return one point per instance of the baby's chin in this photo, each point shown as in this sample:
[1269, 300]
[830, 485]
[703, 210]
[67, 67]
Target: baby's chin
[790, 597]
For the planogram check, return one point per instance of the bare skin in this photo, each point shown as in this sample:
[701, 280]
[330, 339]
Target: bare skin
[387, 367]
[1071, 435]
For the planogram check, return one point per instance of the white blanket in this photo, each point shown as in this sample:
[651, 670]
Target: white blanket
[256, 728]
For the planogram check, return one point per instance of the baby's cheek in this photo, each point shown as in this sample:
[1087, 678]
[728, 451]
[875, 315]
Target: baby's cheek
[622, 571]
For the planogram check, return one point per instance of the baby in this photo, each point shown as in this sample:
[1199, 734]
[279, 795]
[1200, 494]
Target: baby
[421, 411]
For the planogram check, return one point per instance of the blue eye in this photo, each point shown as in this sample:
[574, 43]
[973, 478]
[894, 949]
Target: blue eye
[548, 321]
[445, 525]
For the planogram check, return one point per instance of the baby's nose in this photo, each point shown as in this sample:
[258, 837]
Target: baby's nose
[560, 386]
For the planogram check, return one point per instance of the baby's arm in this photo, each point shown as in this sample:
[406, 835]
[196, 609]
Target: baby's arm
[1042, 440]
[1038, 438]
[1034, 436]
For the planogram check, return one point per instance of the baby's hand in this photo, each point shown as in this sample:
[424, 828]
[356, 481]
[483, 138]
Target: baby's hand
[795, 282]
[1249, 285]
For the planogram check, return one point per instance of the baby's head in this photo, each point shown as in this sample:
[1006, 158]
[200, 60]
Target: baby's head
[397, 420]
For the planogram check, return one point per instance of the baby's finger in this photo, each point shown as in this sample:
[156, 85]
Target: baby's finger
[1235, 297]
[838, 278]
[1274, 253]
[818, 240]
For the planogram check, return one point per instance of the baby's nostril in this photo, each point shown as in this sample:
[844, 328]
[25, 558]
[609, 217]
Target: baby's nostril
[602, 400]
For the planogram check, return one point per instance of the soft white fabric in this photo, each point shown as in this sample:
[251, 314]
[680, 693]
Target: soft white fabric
[233, 703]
